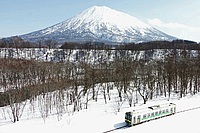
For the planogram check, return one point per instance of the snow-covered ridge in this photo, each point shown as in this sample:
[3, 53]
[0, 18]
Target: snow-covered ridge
[94, 17]
[102, 24]
[108, 16]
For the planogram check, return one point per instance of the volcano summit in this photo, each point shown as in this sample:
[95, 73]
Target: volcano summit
[99, 24]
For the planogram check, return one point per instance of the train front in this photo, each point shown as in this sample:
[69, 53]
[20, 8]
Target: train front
[128, 118]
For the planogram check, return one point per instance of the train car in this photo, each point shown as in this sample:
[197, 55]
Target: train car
[149, 113]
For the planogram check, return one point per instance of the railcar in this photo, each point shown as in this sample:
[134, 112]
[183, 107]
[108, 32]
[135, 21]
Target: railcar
[138, 116]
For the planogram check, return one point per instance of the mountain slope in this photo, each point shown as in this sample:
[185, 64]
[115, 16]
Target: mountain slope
[100, 24]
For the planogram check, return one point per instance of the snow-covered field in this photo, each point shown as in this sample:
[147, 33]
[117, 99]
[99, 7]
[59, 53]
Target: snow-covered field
[100, 117]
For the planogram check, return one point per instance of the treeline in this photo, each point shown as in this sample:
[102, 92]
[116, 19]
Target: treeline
[17, 42]
[175, 44]
[59, 86]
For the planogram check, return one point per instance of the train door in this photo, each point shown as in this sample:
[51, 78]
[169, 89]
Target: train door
[171, 110]
[138, 119]
[134, 120]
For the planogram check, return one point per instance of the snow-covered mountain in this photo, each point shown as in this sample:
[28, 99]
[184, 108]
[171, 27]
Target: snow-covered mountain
[101, 24]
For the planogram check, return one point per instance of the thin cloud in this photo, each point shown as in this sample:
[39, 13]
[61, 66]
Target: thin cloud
[177, 29]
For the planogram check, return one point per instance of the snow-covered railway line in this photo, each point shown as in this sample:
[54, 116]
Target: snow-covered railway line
[122, 127]
[126, 126]
[187, 110]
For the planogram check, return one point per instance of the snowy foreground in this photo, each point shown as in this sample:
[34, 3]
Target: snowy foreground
[99, 118]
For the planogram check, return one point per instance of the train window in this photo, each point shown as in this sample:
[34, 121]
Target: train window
[160, 112]
[156, 113]
[144, 116]
[167, 111]
[149, 114]
[163, 111]
[128, 115]
[152, 114]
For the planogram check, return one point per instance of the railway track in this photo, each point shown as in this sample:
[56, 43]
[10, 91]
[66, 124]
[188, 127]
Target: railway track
[116, 129]
[123, 127]
[187, 110]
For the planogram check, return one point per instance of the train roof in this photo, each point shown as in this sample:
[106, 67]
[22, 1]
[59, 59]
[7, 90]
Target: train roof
[154, 107]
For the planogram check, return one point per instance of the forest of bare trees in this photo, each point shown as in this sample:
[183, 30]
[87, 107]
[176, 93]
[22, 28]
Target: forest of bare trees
[69, 85]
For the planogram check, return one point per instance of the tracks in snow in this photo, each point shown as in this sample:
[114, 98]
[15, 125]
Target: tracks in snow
[116, 129]
[187, 110]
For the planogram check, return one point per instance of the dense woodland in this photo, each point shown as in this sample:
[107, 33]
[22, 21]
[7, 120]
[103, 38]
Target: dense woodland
[17, 42]
[60, 85]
